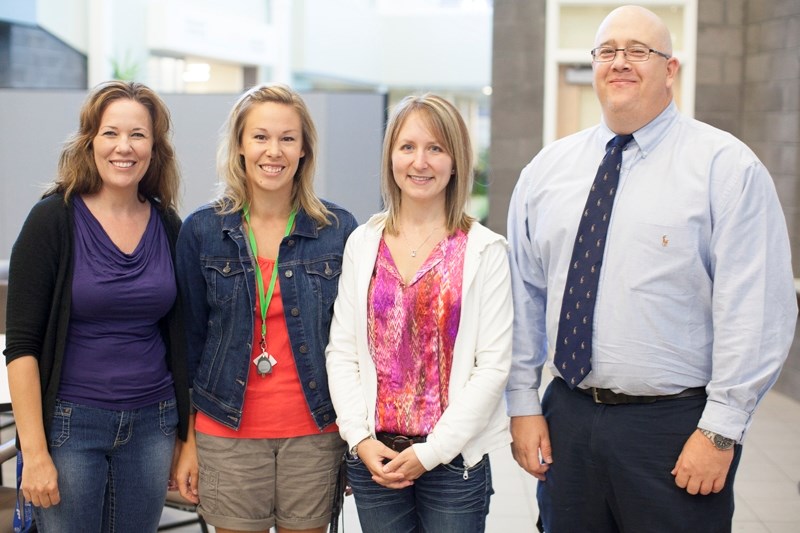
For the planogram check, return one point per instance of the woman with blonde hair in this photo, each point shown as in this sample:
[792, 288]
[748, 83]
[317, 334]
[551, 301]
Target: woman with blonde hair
[95, 354]
[259, 269]
[420, 344]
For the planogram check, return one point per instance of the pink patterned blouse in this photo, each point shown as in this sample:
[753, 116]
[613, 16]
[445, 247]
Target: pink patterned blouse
[412, 331]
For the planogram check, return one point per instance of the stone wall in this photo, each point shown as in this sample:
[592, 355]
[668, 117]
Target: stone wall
[771, 121]
[517, 99]
[720, 64]
[748, 83]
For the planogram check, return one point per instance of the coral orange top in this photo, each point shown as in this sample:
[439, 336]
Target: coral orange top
[274, 405]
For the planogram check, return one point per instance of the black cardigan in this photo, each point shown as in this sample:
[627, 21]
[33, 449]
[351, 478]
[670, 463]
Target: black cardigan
[40, 297]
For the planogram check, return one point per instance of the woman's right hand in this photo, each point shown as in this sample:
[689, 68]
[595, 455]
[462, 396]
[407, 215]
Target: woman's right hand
[40, 480]
[187, 472]
[39, 475]
[373, 453]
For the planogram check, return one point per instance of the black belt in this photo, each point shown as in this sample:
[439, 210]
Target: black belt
[397, 442]
[609, 397]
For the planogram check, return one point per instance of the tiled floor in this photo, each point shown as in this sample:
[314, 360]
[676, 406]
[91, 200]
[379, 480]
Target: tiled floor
[767, 497]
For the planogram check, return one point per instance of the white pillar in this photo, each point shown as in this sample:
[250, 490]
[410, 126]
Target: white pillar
[281, 21]
[100, 49]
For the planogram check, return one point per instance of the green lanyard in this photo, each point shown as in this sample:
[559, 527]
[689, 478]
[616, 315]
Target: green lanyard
[265, 299]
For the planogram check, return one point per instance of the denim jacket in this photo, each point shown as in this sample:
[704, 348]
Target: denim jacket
[217, 280]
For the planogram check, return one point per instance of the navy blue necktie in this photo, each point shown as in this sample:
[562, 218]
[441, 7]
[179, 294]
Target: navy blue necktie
[574, 339]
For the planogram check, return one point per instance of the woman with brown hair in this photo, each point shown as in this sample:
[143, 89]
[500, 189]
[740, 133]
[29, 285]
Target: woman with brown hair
[95, 355]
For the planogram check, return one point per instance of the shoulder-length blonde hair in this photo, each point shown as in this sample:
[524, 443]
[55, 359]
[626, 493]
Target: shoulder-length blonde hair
[448, 128]
[234, 194]
[77, 170]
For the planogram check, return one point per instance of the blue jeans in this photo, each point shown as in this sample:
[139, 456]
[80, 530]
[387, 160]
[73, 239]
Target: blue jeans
[612, 468]
[113, 468]
[440, 501]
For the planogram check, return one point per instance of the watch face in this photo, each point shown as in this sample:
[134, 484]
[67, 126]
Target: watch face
[723, 443]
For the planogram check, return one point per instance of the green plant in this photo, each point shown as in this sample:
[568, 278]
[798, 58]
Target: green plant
[480, 185]
[124, 69]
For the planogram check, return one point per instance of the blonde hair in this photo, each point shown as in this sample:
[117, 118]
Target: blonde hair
[77, 170]
[234, 194]
[448, 128]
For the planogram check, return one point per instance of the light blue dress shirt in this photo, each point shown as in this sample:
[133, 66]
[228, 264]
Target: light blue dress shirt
[696, 287]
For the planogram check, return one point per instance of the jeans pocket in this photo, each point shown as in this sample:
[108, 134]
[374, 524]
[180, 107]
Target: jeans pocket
[168, 416]
[456, 466]
[59, 428]
[368, 494]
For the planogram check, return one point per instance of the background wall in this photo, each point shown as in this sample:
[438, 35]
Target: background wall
[748, 83]
[393, 44]
[517, 99]
[35, 124]
[32, 58]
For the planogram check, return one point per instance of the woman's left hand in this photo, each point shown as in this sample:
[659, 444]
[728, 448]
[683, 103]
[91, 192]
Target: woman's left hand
[406, 463]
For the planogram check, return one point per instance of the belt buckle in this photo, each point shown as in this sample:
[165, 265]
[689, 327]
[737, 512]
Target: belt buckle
[400, 443]
[596, 396]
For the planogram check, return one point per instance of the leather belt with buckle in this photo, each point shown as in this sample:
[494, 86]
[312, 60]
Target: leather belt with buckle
[397, 442]
[609, 397]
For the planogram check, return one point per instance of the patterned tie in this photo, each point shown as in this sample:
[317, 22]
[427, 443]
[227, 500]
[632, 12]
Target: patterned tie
[574, 340]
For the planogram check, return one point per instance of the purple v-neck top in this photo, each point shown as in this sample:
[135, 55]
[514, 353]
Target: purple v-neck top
[115, 356]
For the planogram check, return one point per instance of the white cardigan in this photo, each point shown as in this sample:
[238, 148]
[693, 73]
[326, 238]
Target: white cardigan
[475, 420]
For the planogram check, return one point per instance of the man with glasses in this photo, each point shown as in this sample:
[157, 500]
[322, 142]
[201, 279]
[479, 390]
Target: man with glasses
[657, 288]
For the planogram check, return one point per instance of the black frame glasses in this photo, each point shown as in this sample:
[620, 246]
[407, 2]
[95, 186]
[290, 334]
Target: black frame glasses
[634, 54]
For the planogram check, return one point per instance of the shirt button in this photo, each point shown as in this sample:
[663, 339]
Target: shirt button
[326, 417]
[290, 242]
[295, 311]
[303, 348]
[288, 274]
[312, 384]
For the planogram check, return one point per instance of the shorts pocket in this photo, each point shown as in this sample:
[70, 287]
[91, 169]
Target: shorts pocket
[207, 489]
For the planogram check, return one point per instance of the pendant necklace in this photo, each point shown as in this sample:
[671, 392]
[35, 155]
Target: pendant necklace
[415, 249]
[265, 361]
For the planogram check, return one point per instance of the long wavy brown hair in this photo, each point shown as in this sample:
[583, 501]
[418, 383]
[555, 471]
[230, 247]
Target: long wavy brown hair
[77, 171]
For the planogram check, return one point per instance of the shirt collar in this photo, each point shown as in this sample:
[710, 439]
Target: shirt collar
[651, 134]
[303, 224]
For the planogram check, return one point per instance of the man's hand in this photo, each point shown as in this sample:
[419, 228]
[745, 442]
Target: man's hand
[531, 444]
[702, 468]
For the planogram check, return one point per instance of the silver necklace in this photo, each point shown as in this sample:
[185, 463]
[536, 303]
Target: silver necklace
[415, 249]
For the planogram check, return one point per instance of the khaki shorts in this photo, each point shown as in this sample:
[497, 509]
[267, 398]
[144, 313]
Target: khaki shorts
[254, 484]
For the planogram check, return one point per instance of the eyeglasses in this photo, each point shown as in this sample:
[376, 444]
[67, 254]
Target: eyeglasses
[634, 54]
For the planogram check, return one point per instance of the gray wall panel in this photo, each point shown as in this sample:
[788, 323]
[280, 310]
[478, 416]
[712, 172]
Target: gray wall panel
[34, 124]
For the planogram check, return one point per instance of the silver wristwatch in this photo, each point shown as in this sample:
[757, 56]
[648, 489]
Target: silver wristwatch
[354, 450]
[719, 442]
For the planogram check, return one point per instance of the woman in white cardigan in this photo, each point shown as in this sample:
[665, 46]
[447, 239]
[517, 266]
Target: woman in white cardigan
[420, 343]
